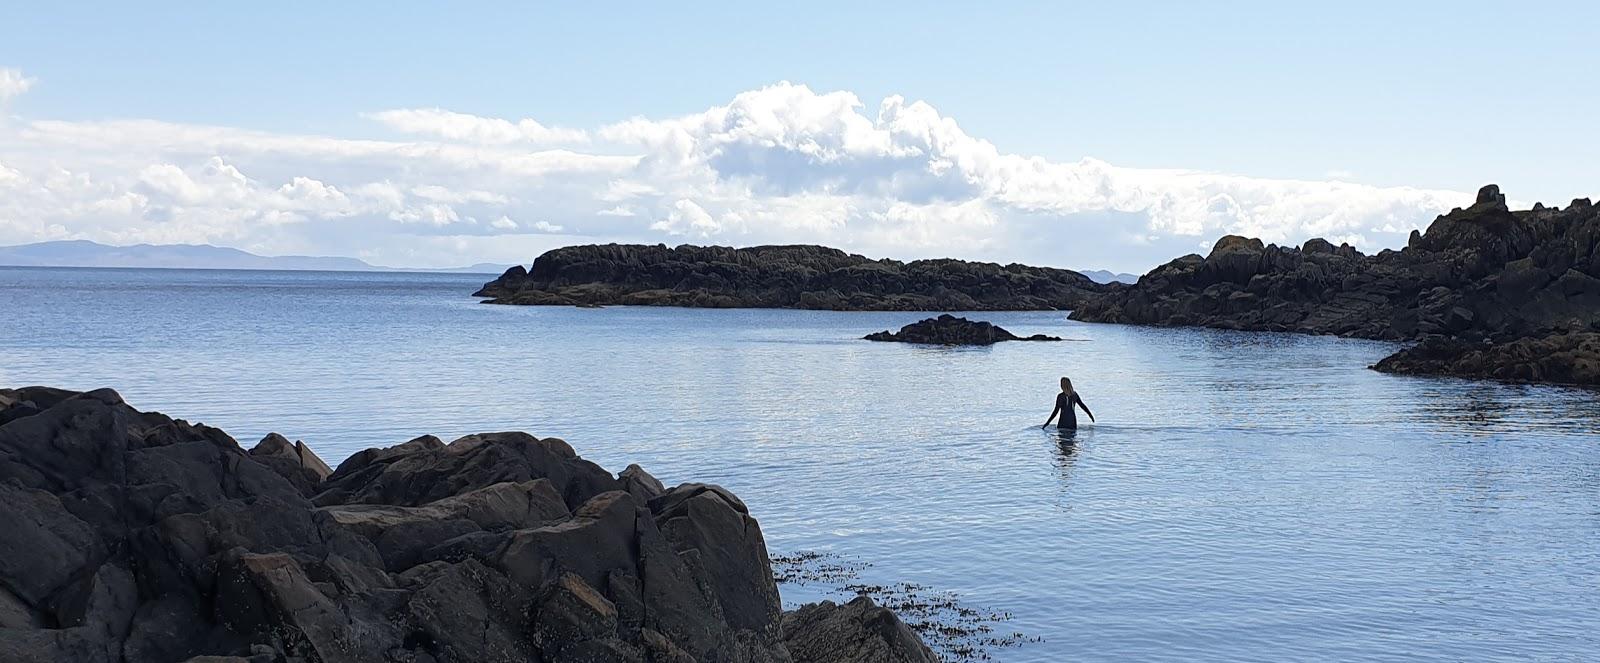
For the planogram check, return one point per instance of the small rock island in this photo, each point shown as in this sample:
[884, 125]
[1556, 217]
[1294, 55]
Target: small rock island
[134, 537]
[795, 276]
[951, 330]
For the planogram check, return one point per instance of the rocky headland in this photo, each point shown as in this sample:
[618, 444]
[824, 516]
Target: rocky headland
[1519, 281]
[951, 330]
[131, 536]
[801, 276]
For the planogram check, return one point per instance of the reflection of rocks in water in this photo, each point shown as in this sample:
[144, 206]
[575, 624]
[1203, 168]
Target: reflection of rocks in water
[956, 631]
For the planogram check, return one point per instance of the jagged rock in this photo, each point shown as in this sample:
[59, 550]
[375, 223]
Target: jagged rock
[131, 537]
[950, 330]
[294, 460]
[1481, 273]
[856, 631]
[809, 277]
[1557, 358]
[640, 484]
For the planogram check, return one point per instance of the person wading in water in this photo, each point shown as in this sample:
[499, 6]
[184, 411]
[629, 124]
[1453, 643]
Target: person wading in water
[1064, 404]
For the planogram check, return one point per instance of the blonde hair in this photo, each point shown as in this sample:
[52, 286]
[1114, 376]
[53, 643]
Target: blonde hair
[1066, 385]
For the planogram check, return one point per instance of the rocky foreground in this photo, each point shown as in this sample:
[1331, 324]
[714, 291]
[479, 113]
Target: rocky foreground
[130, 536]
[803, 277]
[951, 330]
[1484, 274]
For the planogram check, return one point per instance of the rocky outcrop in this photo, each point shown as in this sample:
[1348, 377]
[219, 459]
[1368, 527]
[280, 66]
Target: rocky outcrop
[804, 277]
[856, 631]
[950, 330]
[1484, 273]
[1557, 358]
[130, 536]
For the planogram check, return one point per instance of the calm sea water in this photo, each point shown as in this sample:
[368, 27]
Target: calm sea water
[1245, 496]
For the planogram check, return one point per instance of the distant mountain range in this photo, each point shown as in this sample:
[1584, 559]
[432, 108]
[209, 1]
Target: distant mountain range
[84, 253]
[1103, 276]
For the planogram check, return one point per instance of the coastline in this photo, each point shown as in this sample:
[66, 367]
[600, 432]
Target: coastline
[134, 536]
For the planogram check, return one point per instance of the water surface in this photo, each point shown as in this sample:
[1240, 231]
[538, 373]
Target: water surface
[1244, 496]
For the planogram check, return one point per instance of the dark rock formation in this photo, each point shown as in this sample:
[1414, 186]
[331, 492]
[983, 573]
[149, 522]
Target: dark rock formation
[1557, 358]
[856, 631]
[1480, 273]
[129, 536]
[806, 277]
[950, 330]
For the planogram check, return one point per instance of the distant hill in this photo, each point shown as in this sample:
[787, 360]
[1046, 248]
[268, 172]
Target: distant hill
[1103, 276]
[84, 253]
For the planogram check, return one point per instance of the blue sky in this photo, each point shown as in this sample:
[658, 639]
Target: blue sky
[1437, 97]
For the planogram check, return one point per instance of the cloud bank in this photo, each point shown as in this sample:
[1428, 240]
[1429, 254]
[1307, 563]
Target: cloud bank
[780, 164]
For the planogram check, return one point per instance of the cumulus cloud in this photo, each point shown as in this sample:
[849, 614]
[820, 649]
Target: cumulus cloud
[782, 163]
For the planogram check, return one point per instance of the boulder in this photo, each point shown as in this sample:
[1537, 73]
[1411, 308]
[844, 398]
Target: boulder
[293, 460]
[860, 630]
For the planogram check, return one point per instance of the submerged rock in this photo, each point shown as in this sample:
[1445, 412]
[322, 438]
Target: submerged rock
[1557, 358]
[951, 330]
[799, 276]
[130, 536]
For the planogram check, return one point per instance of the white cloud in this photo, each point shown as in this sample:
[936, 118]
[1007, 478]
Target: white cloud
[12, 85]
[778, 164]
[449, 125]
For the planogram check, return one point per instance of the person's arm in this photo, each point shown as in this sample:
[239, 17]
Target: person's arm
[1053, 412]
[1082, 405]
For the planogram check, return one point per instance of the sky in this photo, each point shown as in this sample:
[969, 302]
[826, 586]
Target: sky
[1081, 135]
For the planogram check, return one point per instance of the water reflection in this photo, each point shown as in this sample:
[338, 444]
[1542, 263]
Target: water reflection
[1065, 457]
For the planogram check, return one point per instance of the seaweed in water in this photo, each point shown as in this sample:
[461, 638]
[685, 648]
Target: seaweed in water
[957, 632]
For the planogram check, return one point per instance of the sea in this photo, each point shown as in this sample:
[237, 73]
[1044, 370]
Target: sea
[1239, 496]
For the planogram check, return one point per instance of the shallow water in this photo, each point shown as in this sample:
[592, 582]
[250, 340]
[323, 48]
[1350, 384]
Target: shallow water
[1244, 496]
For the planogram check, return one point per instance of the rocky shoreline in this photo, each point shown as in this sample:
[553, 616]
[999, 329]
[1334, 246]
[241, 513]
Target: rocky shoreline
[1494, 279]
[800, 276]
[951, 330]
[1518, 281]
[131, 536]
[1571, 359]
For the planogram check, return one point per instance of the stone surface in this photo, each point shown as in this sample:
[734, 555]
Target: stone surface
[856, 631]
[951, 330]
[132, 537]
[800, 276]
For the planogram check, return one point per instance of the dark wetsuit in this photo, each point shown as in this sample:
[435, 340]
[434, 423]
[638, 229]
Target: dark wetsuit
[1069, 417]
